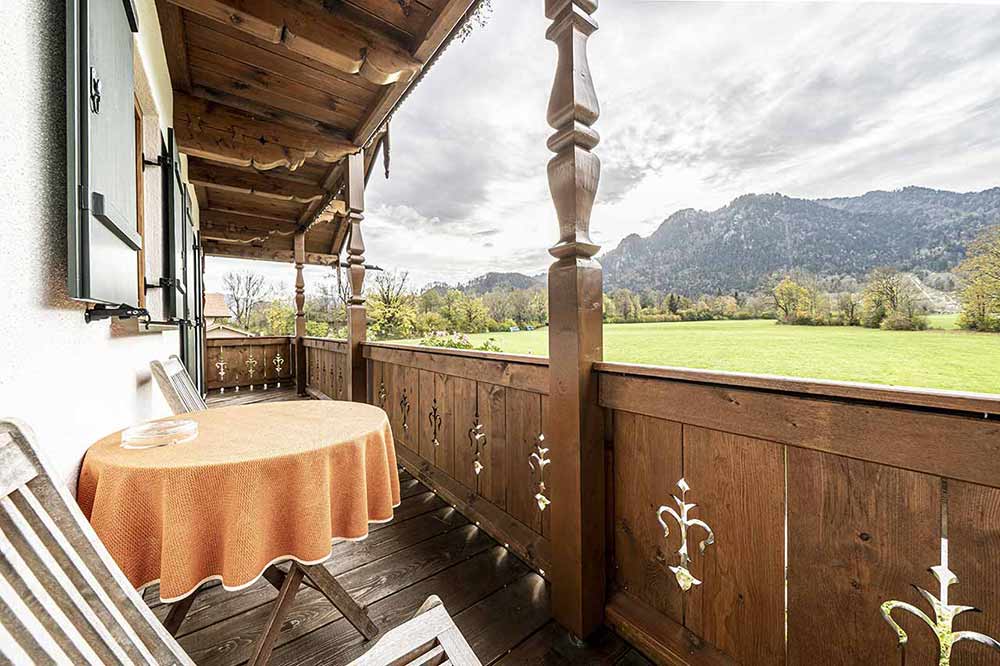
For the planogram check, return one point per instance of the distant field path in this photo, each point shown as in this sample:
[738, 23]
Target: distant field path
[943, 358]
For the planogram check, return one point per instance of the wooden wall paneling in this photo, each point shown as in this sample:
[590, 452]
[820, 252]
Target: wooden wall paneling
[647, 465]
[411, 420]
[738, 484]
[464, 416]
[213, 355]
[522, 372]
[341, 377]
[393, 390]
[524, 423]
[425, 444]
[376, 382]
[256, 377]
[493, 412]
[547, 514]
[973, 548]
[964, 447]
[859, 534]
[444, 452]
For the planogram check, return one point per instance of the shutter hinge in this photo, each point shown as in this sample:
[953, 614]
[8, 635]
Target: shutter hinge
[160, 161]
[101, 311]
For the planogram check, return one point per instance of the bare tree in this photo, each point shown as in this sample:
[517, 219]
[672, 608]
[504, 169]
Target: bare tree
[244, 291]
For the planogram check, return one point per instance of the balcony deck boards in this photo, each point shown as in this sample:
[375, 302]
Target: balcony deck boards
[498, 602]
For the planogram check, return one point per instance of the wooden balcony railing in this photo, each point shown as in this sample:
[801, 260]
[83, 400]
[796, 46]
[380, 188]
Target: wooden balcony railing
[825, 499]
[326, 368]
[232, 363]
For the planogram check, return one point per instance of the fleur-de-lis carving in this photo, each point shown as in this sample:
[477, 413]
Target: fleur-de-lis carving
[435, 419]
[682, 572]
[538, 460]
[381, 394]
[477, 440]
[278, 361]
[221, 367]
[340, 381]
[251, 364]
[404, 408]
[944, 613]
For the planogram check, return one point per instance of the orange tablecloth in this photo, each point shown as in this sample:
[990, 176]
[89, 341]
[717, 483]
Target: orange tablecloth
[260, 484]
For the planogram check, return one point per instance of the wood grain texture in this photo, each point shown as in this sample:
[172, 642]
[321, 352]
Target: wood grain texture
[974, 544]
[522, 372]
[859, 534]
[659, 637]
[493, 412]
[962, 447]
[465, 411]
[647, 465]
[524, 423]
[738, 485]
[425, 444]
[444, 452]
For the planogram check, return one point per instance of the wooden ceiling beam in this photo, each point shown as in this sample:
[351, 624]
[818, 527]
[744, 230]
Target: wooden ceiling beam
[175, 37]
[221, 217]
[216, 249]
[447, 20]
[248, 182]
[221, 133]
[306, 28]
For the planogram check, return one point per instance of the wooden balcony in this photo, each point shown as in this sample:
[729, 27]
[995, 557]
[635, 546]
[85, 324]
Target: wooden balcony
[825, 499]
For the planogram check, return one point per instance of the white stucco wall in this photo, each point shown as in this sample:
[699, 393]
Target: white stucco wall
[72, 382]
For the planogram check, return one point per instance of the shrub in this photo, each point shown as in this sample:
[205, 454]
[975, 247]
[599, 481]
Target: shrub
[900, 321]
[459, 341]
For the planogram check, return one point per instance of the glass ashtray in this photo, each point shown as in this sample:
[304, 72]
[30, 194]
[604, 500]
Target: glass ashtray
[159, 433]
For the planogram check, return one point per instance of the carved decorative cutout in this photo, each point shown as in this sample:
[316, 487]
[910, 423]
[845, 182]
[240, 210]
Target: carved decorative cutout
[221, 367]
[681, 572]
[538, 461]
[278, 362]
[944, 613]
[404, 408]
[251, 364]
[381, 394]
[477, 440]
[435, 419]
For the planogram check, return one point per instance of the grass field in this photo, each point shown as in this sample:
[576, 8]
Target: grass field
[944, 357]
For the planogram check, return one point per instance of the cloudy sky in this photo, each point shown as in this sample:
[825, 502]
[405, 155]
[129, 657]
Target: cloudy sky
[700, 102]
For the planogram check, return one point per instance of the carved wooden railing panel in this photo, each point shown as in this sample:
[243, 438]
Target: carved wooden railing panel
[450, 410]
[866, 481]
[245, 363]
[326, 368]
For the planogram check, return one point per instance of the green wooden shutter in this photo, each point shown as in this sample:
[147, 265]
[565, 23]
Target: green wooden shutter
[103, 241]
[176, 232]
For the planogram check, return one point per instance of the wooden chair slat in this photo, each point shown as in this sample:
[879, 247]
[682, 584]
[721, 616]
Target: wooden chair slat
[60, 586]
[52, 589]
[429, 638]
[39, 617]
[15, 468]
[176, 385]
[12, 651]
[83, 577]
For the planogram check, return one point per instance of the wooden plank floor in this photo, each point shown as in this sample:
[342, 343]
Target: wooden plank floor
[499, 604]
[247, 397]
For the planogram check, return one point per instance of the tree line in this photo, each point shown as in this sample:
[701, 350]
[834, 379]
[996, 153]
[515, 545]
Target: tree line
[886, 298]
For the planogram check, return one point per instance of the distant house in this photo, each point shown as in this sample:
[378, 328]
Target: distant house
[221, 330]
[217, 315]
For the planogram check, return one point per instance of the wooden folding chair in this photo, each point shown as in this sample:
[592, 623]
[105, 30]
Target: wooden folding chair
[429, 637]
[64, 601]
[177, 387]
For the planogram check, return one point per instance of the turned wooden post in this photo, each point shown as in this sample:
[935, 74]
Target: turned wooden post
[357, 318]
[574, 425]
[300, 315]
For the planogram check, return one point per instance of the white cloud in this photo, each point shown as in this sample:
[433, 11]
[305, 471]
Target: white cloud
[701, 102]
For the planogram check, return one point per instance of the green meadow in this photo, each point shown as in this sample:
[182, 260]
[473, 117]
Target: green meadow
[943, 357]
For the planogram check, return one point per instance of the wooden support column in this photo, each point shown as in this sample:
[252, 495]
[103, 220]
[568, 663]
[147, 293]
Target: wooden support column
[574, 426]
[357, 317]
[300, 314]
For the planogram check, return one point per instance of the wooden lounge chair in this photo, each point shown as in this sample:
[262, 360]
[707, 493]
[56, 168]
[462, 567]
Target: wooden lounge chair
[177, 387]
[429, 637]
[64, 601]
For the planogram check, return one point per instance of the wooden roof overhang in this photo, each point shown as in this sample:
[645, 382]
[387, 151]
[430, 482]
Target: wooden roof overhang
[270, 96]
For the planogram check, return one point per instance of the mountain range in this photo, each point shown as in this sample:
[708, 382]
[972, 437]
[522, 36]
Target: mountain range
[738, 246]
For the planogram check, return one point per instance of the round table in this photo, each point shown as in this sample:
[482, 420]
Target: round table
[260, 483]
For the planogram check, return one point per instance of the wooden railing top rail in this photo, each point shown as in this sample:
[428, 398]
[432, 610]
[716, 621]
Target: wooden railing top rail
[976, 403]
[467, 353]
[246, 342]
[331, 344]
[529, 373]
